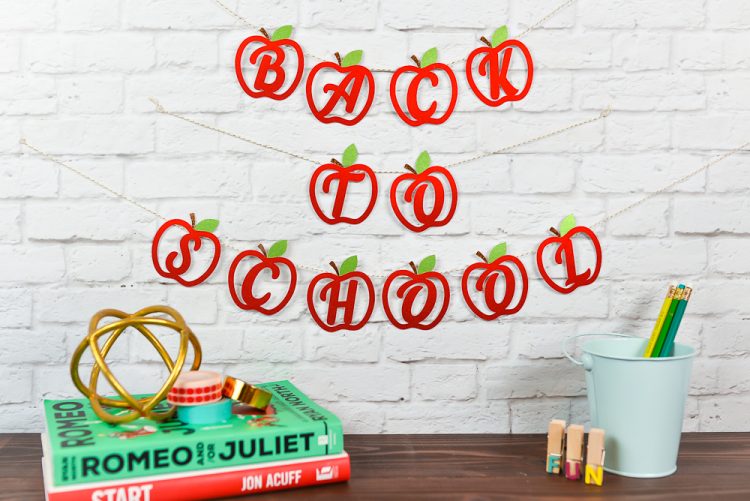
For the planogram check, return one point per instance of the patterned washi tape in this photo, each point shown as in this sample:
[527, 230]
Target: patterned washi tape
[195, 388]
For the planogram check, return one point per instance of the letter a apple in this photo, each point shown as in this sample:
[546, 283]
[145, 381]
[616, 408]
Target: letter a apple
[486, 275]
[271, 261]
[343, 173]
[565, 255]
[426, 189]
[269, 62]
[424, 295]
[341, 83]
[493, 65]
[430, 71]
[338, 293]
[195, 235]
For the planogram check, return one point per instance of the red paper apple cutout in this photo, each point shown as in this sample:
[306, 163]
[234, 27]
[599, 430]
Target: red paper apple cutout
[270, 62]
[343, 173]
[338, 292]
[425, 195]
[349, 78]
[191, 241]
[424, 295]
[493, 65]
[271, 261]
[565, 255]
[426, 70]
[485, 275]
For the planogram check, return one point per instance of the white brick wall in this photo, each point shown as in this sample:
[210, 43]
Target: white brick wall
[74, 78]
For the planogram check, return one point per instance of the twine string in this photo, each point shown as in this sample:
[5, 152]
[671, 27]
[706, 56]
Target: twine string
[528, 30]
[504, 149]
[381, 275]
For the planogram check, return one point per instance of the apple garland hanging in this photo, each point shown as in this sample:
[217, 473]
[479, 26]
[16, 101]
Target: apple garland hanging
[565, 256]
[422, 180]
[343, 173]
[483, 277]
[336, 295]
[492, 67]
[424, 295]
[428, 70]
[195, 234]
[270, 63]
[347, 78]
[272, 261]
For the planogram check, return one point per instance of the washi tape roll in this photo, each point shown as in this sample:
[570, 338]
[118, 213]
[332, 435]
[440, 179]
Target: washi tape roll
[246, 393]
[213, 413]
[195, 388]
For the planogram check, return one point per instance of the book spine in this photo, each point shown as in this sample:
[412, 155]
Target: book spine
[237, 482]
[197, 452]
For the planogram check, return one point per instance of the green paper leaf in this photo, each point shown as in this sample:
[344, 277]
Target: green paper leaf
[354, 57]
[567, 224]
[277, 249]
[499, 36]
[208, 225]
[426, 265]
[350, 156]
[429, 57]
[348, 266]
[423, 162]
[497, 251]
[282, 32]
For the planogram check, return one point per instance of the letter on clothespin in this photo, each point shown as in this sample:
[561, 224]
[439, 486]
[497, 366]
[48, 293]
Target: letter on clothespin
[595, 457]
[574, 452]
[555, 441]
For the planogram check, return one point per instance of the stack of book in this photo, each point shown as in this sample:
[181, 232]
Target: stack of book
[293, 443]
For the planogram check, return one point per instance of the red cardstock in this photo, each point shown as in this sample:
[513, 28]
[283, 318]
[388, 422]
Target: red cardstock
[245, 299]
[487, 275]
[343, 176]
[414, 115]
[414, 195]
[349, 89]
[340, 293]
[494, 64]
[565, 255]
[192, 236]
[271, 75]
[412, 285]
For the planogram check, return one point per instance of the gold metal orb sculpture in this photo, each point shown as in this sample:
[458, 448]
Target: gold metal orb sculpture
[141, 320]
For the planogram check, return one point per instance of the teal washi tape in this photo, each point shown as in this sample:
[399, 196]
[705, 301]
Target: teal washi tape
[216, 412]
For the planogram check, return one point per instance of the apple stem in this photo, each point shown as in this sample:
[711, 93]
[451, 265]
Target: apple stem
[338, 57]
[554, 231]
[334, 161]
[265, 33]
[335, 268]
[416, 60]
[413, 266]
[486, 42]
[263, 249]
[192, 219]
[482, 256]
[409, 168]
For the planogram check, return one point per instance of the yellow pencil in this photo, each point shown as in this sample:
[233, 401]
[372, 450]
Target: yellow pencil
[659, 321]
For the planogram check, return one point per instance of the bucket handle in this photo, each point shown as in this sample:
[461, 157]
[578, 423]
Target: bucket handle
[567, 340]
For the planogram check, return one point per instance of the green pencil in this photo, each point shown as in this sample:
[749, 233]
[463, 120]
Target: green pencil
[667, 321]
[666, 349]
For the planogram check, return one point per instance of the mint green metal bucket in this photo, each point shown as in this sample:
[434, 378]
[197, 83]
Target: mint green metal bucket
[639, 402]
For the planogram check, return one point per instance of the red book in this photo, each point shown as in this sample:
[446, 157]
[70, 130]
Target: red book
[209, 484]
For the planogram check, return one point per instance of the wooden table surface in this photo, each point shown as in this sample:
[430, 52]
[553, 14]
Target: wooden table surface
[468, 467]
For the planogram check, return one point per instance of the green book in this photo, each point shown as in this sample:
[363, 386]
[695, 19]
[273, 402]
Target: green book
[83, 449]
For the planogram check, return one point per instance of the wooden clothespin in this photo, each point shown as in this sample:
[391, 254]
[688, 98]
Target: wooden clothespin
[574, 452]
[555, 442]
[595, 457]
